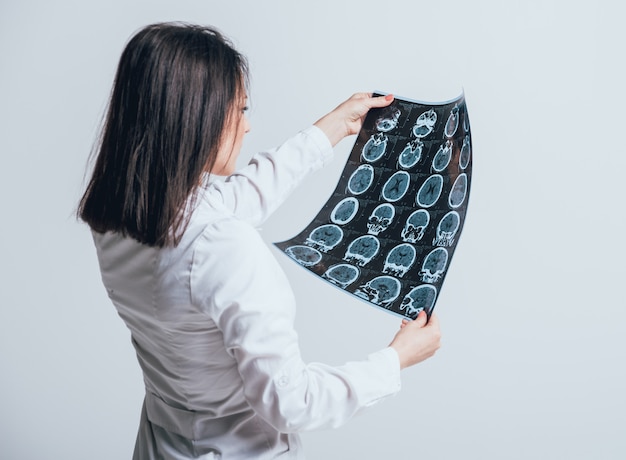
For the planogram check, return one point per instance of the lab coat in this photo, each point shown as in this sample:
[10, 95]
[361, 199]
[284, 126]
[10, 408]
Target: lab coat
[212, 320]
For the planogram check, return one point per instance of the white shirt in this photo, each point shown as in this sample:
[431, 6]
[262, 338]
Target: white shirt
[212, 323]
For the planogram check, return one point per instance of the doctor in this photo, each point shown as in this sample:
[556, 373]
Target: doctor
[210, 311]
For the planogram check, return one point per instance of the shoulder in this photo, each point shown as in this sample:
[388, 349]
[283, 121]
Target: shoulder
[213, 227]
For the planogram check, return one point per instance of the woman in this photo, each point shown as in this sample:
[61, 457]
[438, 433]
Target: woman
[209, 309]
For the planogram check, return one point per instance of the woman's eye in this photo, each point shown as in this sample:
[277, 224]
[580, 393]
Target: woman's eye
[245, 108]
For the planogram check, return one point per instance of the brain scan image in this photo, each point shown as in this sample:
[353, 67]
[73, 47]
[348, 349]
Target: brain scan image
[325, 238]
[459, 190]
[411, 154]
[361, 179]
[425, 124]
[466, 152]
[304, 255]
[421, 298]
[374, 148]
[388, 121]
[381, 218]
[387, 233]
[442, 157]
[345, 211]
[415, 226]
[453, 122]
[342, 275]
[399, 260]
[396, 186]
[434, 265]
[362, 250]
[447, 228]
[430, 191]
[382, 290]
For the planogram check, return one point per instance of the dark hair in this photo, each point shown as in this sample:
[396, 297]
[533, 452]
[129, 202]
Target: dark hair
[174, 93]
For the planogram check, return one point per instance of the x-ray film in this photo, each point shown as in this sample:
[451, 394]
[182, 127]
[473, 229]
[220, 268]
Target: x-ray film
[388, 232]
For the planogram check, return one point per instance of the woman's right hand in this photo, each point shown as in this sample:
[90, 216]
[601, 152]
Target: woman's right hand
[346, 119]
[417, 340]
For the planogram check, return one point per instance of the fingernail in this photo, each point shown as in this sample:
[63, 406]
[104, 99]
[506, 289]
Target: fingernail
[389, 97]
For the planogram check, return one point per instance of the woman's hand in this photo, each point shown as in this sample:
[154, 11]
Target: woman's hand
[417, 340]
[348, 117]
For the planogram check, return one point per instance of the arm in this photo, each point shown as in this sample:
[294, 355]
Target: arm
[253, 306]
[253, 193]
[251, 302]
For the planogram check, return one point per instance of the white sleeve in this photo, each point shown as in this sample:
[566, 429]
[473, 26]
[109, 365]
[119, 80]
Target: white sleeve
[254, 307]
[255, 191]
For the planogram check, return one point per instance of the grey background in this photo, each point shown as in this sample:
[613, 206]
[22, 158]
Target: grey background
[533, 308]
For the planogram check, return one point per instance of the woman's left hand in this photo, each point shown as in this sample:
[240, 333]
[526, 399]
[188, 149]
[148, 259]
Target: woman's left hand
[348, 117]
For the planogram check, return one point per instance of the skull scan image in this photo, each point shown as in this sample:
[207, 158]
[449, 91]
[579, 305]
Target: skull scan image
[447, 228]
[430, 191]
[442, 157]
[421, 298]
[361, 179]
[399, 260]
[434, 265]
[453, 122]
[466, 151]
[382, 290]
[397, 185]
[304, 255]
[325, 237]
[374, 148]
[388, 231]
[425, 124]
[458, 192]
[415, 226]
[388, 120]
[411, 154]
[380, 219]
[362, 250]
[345, 211]
[341, 275]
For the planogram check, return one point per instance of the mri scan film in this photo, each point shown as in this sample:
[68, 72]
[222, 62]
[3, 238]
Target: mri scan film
[388, 232]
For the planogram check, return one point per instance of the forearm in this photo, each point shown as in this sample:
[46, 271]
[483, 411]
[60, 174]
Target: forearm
[317, 396]
[255, 191]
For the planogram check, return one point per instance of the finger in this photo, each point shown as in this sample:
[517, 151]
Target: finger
[380, 101]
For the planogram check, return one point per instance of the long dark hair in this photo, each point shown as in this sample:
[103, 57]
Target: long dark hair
[174, 95]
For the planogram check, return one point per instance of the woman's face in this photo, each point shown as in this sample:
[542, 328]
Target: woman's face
[226, 160]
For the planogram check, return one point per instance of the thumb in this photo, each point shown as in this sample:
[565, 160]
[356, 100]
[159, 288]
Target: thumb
[421, 319]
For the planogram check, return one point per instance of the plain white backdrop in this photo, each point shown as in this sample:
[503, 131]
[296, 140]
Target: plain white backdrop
[533, 362]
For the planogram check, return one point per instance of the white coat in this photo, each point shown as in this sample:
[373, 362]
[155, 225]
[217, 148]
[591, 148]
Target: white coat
[212, 324]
